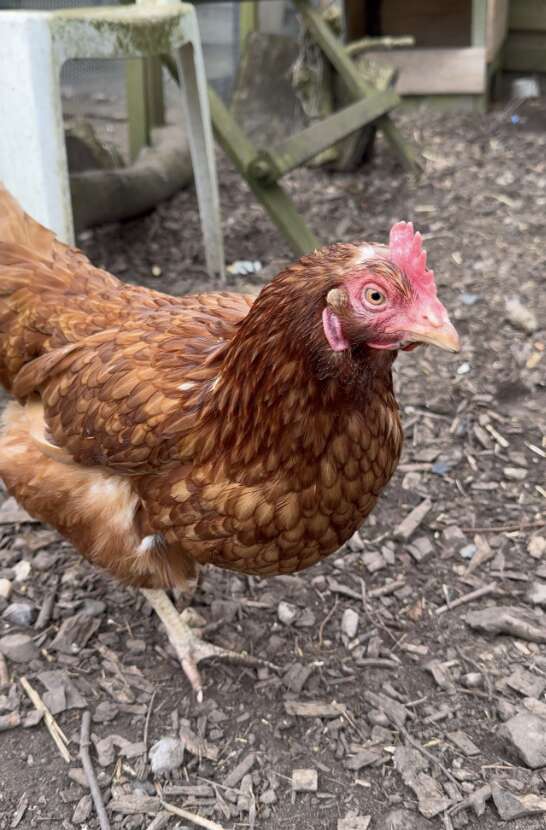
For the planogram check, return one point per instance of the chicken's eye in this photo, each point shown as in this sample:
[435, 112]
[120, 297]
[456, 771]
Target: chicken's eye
[374, 296]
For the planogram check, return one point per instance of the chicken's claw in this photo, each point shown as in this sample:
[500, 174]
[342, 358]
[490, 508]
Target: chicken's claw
[186, 640]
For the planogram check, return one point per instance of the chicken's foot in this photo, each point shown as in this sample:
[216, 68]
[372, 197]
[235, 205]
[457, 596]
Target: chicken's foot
[187, 642]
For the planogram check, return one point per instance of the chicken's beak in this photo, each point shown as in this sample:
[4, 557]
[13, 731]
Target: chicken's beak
[434, 327]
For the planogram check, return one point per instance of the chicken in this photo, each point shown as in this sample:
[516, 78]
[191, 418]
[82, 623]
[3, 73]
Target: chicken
[162, 433]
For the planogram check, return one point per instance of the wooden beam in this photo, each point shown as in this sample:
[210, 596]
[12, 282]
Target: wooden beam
[275, 200]
[248, 21]
[478, 35]
[356, 85]
[137, 110]
[299, 148]
[527, 16]
[525, 52]
[437, 71]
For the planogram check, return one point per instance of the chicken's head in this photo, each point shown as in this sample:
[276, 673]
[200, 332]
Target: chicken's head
[386, 299]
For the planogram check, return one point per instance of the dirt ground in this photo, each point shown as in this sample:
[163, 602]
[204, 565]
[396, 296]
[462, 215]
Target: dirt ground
[371, 643]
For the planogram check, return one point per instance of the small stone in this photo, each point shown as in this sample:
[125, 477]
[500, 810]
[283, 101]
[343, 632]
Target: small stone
[377, 717]
[286, 612]
[18, 647]
[21, 570]
[269, 797]
[468, 551]
[420, 548]
[402, 820]
[472, 680]
[19, 613]
[527, 735]
[537, 546]
[82, 810]
[463, 742]
[511, 806]
[353, 822]
[349, 623]
[135, 646]
[5, 589]
[526, 683]
[105, 712]
[166, 755]
[93, 607]
[520, 316]
[373, 561]
[515, 473]
[305, 780]
[536, 593]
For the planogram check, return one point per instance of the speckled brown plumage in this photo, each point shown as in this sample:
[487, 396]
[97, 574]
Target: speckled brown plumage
[157, 432]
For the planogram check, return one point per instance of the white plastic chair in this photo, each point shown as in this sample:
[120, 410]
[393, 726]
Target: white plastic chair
[33, 47]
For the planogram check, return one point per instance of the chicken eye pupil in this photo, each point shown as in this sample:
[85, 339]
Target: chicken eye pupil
[376, 296]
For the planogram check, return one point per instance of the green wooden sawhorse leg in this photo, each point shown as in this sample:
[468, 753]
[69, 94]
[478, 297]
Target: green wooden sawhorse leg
[356, 86]
[275, 200]
[262, 169]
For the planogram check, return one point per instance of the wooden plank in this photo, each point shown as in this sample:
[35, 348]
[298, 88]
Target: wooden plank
[435, 24]
[296, 150]
[525, 52]
[527, 15]
[478, 26]
[437, 71]
[497, 27]
[275, 200]
[356, 86]
[137, 110]
[248, 21]
[355, 17]
[154, 92]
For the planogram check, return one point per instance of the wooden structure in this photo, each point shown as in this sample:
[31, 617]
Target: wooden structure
[262, 169]
[458, 45]
[525, 49]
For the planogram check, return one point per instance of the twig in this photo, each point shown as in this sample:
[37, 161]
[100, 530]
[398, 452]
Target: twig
[47, 607]
[90, 772]
[193, 817]
[147, 721]
[325, 620]
[506, 528]
[4, 674]
[479, 592]
[52, 726]
[388, 588]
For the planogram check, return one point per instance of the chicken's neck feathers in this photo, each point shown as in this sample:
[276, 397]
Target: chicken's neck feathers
[279, 378]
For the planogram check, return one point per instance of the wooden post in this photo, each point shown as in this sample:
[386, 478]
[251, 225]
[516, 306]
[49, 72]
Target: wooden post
[478, 37]
[145, 105]
[356, 85]
[248, 21]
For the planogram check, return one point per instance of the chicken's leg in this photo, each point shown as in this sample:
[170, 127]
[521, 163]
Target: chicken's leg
[187, 642]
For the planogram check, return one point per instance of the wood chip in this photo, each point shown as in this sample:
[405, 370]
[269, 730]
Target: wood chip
[314, 709]
[412, 521]
[53, 727]
[463, 742]
[412, 765]
[305, 780]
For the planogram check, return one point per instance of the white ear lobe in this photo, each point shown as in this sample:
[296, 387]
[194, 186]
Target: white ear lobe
[336, 297]
[332, 329]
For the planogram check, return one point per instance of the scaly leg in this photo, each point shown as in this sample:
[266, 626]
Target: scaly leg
[187, 642]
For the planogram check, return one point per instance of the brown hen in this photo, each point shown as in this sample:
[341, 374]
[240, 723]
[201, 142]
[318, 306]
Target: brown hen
[159, 433]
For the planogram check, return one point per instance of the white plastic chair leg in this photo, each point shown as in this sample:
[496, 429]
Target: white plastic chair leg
[32, 148]
[193, 85]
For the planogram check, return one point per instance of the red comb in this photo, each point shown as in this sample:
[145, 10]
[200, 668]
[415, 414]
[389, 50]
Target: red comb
[406, 251]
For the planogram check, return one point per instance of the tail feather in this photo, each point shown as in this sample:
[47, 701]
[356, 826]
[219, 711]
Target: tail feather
[46, 290]
[18, 228]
